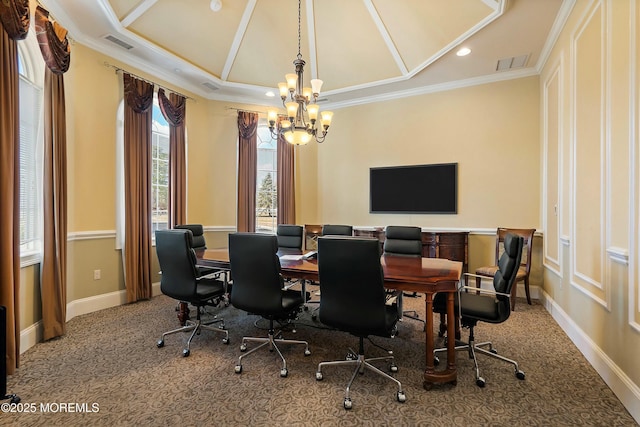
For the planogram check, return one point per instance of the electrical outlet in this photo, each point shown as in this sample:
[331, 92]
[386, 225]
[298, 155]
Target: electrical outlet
[96, 274]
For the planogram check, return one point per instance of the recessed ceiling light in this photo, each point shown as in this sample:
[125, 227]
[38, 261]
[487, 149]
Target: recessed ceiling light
[463, 51]
[270, 94]
[216, 5]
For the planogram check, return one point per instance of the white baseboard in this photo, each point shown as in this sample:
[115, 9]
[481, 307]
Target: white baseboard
[33, 334]
[626, 390]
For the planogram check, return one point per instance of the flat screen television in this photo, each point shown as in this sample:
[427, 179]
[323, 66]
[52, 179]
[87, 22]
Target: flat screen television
[427, 189]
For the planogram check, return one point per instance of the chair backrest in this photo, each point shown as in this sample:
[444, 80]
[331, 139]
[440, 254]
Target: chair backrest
[403, 240]
[508, 264]
[351, 285]
[526, 234]
[255, 268]
[337, 230]
[198, 234]
[289, 236]
[177, 264]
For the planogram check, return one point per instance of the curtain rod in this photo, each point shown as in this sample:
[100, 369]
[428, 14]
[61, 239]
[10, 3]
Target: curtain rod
[246, 111]
[106, 64]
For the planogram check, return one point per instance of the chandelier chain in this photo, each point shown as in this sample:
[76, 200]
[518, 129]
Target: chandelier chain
[299, 54]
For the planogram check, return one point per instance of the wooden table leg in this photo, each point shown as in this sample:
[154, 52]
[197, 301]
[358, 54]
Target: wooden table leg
[449, 374]
[183, 312]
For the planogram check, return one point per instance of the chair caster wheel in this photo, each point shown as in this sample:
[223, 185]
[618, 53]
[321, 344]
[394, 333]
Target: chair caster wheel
[238, 369]
[243, 347]
[314, 317]
[284, 372]
[494, 351]
[225, 341]
[186, 352]
[436, 360]
[519, 375]
[401, 397]
[160, 343]
[319, 376]
[307, 352]
[393, 368]
[306, 308]
[480, 382]
[347, 403]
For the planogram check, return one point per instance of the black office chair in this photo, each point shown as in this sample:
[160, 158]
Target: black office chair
[197, 230]
[180, 280]
[289, 236]
[199, 244]
[490, 306]
[258, 289]
[404, 241]
[337, 230]
[353, 300]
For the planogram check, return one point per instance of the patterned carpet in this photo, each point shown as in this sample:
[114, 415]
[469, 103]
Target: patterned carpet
[108, 371]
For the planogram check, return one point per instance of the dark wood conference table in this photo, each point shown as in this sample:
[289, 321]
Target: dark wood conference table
[423, 275]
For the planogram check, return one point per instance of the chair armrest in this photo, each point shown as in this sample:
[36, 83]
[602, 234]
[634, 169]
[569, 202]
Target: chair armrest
[484, 291]
[477, 276]
[213, 275]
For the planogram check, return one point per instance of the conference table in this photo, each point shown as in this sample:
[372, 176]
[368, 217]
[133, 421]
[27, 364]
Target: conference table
[424, 275]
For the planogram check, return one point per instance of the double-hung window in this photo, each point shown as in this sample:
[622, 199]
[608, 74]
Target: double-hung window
[266, 184]
[159, 171]
[31, 71]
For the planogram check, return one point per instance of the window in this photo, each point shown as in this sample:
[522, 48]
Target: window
[30, 68]
[159, 174]
[159, 171]
[266, 185]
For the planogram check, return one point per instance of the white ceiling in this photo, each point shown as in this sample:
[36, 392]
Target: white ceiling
[364, 50]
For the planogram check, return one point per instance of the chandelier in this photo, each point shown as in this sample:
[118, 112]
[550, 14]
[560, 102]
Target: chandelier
[302, 110]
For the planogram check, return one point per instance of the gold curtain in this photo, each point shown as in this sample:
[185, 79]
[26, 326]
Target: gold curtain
[247, 170]
[174, 110]
[137, 166]
[14, 24]
[286, 180]
[56, 52]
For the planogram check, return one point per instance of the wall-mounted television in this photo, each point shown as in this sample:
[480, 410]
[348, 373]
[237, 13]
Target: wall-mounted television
[428, 189]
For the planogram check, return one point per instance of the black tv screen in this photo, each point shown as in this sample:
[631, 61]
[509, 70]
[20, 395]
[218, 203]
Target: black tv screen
[414, 189]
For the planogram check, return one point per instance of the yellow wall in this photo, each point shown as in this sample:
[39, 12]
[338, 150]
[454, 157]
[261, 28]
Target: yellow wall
[491, 131]
[590, 110]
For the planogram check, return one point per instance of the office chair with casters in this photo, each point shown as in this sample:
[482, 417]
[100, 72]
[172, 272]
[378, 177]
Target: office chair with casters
[337, 230]
[525, 264]
[489, 306]
[353, 300]
[289, 236]
[258, 289]
[180, 280]
[199, 244]
[404, 241]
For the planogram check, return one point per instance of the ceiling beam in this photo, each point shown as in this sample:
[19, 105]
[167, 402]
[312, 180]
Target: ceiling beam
[386, 37]
[235, 45]
[311, 36]
[137, 12]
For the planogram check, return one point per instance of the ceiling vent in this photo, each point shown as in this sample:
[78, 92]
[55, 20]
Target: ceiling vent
[210, 86]
[119, 42]
[513, 62]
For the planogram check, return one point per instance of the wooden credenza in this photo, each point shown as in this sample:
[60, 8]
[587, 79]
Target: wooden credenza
[452, 245]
